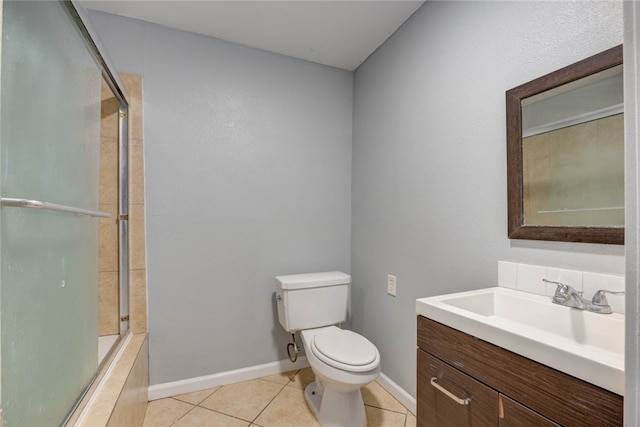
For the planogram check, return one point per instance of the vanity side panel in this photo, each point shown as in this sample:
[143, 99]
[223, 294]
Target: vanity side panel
[560, 397]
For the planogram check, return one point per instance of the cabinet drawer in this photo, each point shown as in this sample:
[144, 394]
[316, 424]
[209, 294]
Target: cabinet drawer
[436, 409]
[562, 398]
[513, 414]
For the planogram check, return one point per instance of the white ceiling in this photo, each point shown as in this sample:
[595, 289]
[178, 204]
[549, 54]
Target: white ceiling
[340, 33]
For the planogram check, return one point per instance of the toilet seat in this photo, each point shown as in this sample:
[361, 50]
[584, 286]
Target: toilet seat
[345, 350]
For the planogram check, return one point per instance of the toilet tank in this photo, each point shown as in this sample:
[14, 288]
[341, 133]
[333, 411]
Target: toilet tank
[313, 300]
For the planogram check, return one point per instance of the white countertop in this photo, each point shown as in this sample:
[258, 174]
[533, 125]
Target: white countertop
[583, 344]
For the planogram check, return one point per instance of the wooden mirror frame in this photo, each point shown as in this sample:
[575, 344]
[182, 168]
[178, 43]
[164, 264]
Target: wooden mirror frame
[516, 227]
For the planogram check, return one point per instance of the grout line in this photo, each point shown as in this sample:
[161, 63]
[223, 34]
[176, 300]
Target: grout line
[201, 407]
[196, 404]
[212, 393]
[232, 416]
[288, 382]
[387, 409]
[222, 413]
[292, 377]
[270, 402]
[183, 415]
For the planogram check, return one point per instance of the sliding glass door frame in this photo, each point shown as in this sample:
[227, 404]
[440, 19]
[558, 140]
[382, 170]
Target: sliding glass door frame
[112, 79]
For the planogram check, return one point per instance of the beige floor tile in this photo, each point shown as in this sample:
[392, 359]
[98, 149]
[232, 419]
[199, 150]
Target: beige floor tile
[165, 412]
[288, 409]
[283, 378]
[374, 395]
[303, 378]
[200, 417]
[197, 396]
[243, 400]
[411, 420]
[382, 418]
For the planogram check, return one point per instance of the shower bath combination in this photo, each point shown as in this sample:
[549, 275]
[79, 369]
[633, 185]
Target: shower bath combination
[53, 203]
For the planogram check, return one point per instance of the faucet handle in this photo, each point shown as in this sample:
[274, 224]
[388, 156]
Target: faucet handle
[600, 297]
[566, 295]
[561, 295]
[561, 287]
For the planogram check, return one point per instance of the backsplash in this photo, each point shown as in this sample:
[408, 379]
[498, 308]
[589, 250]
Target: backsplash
[528, 278]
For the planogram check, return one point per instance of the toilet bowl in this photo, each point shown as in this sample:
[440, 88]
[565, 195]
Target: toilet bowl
[343, 361]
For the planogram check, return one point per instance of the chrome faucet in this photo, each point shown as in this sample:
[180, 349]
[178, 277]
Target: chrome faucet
[599, 303]
[568, 296]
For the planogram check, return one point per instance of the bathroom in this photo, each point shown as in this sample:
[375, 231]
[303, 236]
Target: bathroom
[258, 165]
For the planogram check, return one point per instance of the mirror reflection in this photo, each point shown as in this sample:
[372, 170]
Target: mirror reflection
[573, 153]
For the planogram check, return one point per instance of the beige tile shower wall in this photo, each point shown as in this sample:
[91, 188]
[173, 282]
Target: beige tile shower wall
[108, 306]
[108, 288]
[132, 403]
[137, 246]
[122, 395]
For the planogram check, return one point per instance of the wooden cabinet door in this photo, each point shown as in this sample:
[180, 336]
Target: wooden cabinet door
[437, 409]
[567, 400]
[513, 414]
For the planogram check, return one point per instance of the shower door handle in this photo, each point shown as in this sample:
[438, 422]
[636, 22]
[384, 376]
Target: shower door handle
[37, 204]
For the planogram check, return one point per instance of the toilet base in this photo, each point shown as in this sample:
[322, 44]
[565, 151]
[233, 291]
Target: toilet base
[335, 409]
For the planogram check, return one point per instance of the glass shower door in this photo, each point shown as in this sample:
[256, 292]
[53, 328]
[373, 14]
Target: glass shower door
[49, 151]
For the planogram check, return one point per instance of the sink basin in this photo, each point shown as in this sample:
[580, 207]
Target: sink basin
[586, 345]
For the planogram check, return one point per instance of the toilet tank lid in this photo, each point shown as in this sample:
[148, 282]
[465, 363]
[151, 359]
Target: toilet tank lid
[312, 280]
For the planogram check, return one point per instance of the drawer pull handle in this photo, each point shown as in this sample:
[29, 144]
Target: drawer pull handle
[434, 382]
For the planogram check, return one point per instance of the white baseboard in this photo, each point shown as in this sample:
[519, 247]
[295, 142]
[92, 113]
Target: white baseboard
[159, 391]
[398, 392]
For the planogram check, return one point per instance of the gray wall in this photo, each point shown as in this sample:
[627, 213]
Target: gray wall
[429, 159]
[248, 175]
[249, 170]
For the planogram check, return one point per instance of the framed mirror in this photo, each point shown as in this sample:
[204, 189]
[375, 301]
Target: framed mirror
[565, 153]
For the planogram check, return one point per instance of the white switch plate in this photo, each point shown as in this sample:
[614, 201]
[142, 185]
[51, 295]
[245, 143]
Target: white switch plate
[391, 285]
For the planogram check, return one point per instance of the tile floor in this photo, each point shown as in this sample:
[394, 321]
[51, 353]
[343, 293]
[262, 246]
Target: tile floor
[274, 401]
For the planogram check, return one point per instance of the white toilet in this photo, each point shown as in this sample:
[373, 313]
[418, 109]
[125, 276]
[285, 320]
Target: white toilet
[342, 361]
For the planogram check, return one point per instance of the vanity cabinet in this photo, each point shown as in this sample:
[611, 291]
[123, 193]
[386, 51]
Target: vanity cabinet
[506, 389]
